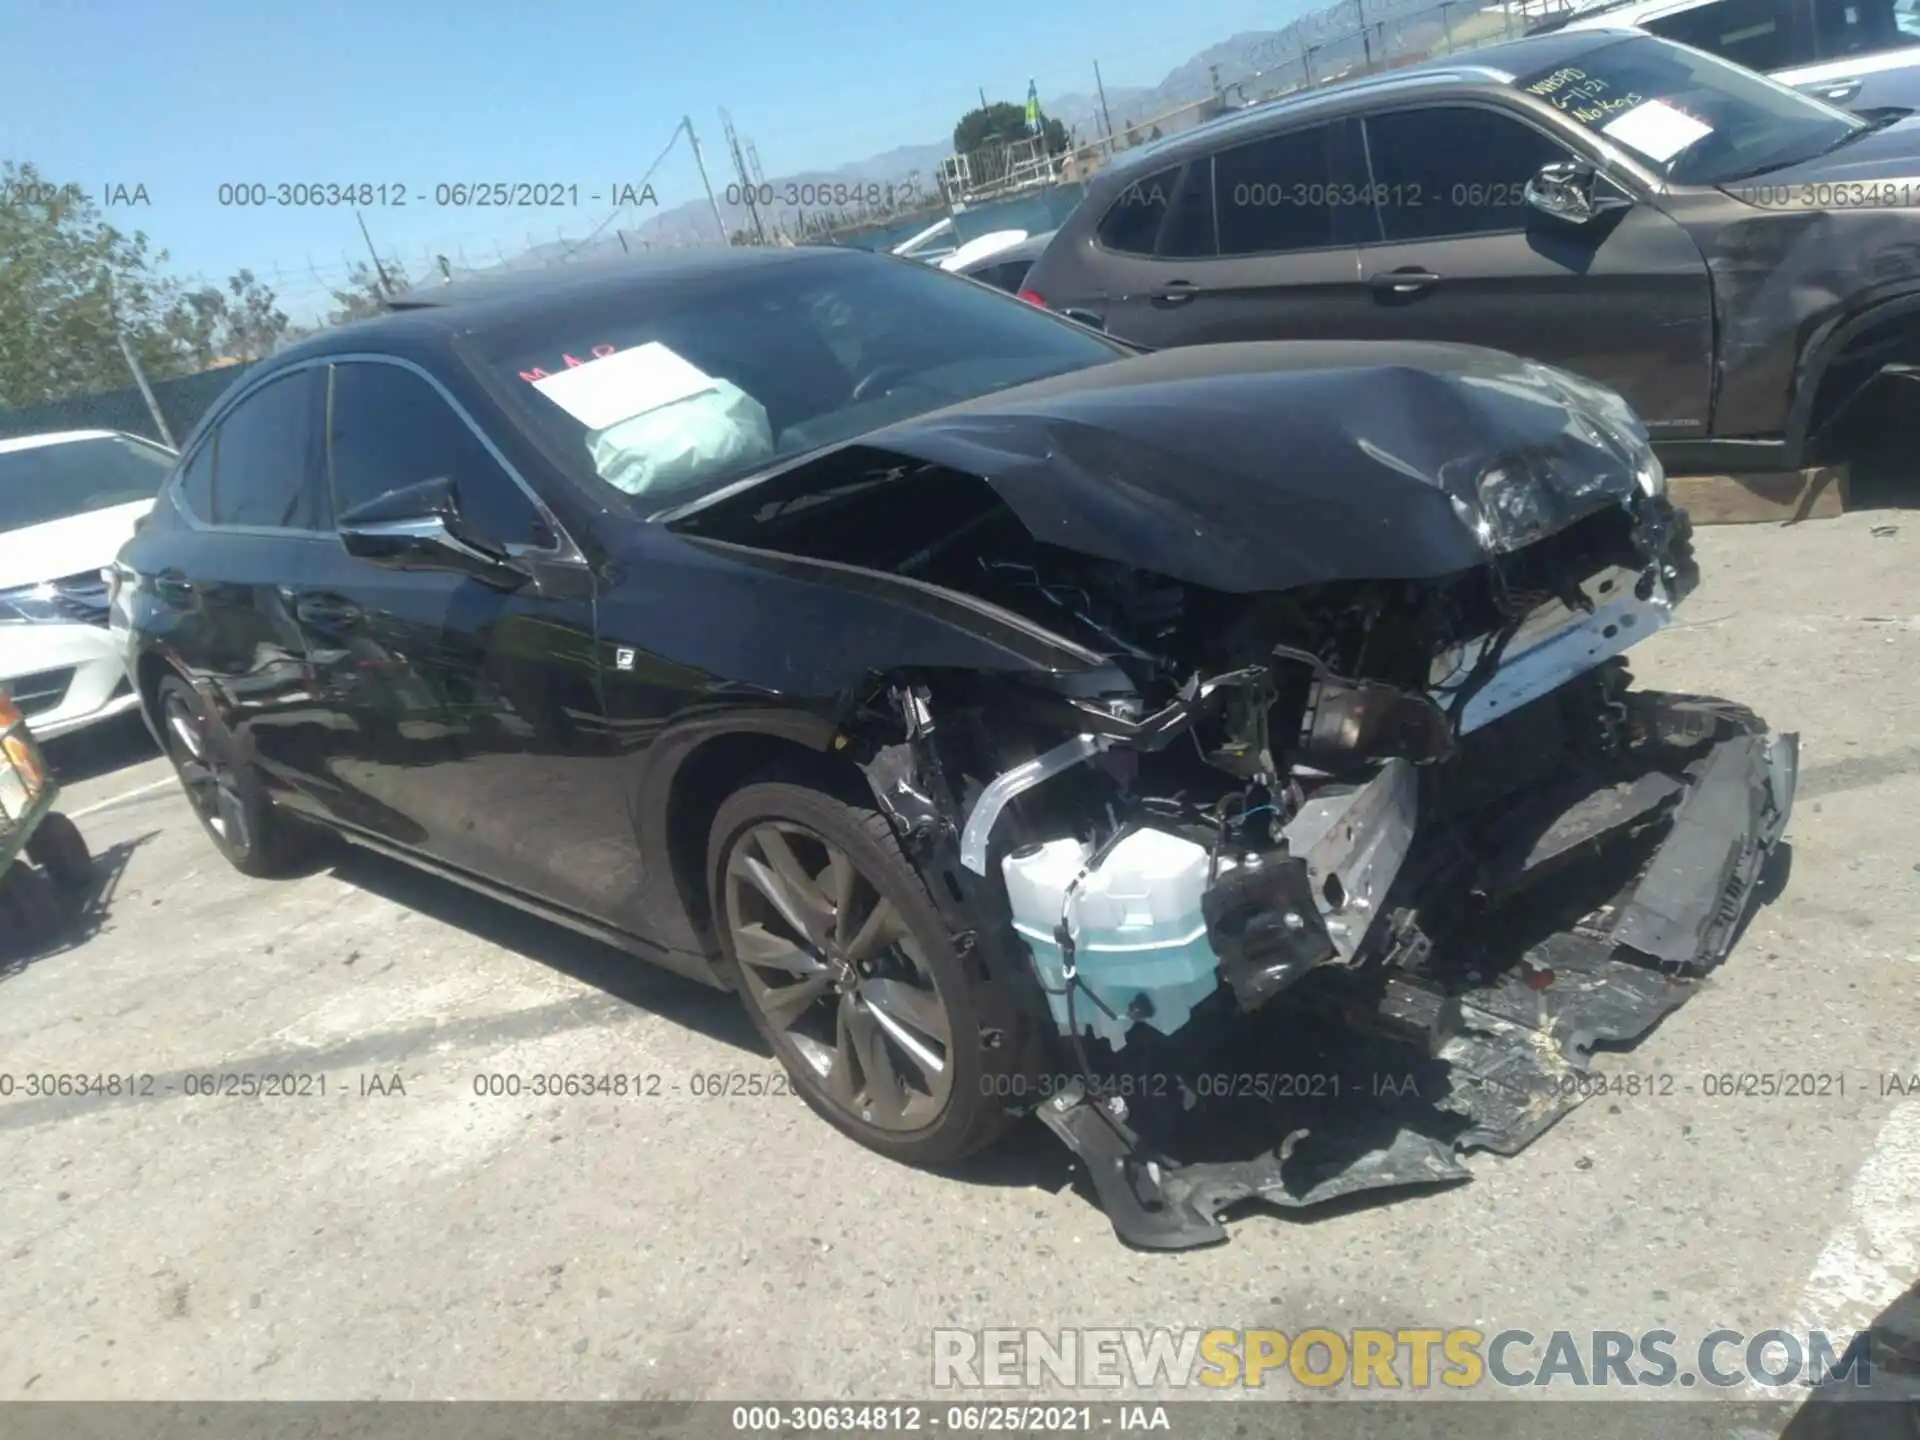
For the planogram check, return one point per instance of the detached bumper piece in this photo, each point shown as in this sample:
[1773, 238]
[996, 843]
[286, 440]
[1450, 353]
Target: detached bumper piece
[1601, 915]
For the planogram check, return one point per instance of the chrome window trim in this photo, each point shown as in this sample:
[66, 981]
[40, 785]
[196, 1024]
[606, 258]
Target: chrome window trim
[564, 547]
[212, 422]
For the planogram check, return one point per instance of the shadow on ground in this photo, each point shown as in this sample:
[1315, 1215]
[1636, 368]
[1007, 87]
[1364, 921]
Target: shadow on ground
[100, 749]
[85, 912]
[623, 976]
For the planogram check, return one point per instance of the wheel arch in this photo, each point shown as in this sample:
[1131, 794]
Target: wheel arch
[150, 667]
[1834, 371]
[692, 772]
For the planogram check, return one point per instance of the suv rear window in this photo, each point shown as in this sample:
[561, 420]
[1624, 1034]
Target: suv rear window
[1132, 222]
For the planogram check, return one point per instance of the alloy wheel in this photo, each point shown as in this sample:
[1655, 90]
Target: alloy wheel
[212, 782]
[834, 970]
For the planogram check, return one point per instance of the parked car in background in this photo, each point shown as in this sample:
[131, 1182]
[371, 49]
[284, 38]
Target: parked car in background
[1006, 268]
[1735, 258]
[837, 631]
[1863, 54]
[68, 501]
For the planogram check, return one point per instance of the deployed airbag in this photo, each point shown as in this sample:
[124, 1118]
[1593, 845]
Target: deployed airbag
[673, 445]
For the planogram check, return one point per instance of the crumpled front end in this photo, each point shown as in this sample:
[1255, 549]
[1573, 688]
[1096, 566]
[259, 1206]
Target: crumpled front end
[1307, 890]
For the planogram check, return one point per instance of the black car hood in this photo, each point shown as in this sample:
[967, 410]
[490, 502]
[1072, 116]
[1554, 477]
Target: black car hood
[1251, 468]
[1892, 153]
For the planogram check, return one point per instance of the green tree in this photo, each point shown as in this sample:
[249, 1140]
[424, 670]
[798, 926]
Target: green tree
[70, 280]
[1001, 123]
[363, 296]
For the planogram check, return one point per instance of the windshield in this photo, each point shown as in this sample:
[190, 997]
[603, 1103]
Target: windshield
[50, 482]
[680, 392]
[1690, 117]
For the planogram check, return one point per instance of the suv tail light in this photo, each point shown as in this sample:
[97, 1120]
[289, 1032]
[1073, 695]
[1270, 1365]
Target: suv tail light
[1033, 297]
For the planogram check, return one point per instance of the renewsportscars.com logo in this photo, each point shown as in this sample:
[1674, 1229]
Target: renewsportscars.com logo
[1385, 1360]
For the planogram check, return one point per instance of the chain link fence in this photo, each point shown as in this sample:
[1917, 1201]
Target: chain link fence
[1343, 42]
[182, 400]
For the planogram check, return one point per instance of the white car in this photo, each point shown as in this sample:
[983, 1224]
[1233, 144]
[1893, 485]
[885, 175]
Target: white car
[68, 502]
[1861, 54]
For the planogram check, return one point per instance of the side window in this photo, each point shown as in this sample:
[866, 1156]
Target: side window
[196, 483]
[1856, 27]
[1454, 171]
[387, 428]
[263, 456]
[1759, 34]
[1132, 222]
[1272, 195]
[1188, 231]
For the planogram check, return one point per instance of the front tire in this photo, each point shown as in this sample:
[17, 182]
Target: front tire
[224, 788]
[847, 971]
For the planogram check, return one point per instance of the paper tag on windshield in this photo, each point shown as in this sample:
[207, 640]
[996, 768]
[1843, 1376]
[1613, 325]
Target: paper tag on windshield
[626, 383]
[1656, 130]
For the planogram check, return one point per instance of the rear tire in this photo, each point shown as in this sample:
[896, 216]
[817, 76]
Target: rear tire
[59, 848]
[917, 1083]
[30, 911]
[224, 788]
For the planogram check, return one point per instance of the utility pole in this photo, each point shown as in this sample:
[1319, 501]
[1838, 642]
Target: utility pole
[386, 284]
[133, 363]
[1446, 24]
[686, 123]
[746, 183]
[1100, 85]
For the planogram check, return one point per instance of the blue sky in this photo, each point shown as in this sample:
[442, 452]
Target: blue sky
[182, 96]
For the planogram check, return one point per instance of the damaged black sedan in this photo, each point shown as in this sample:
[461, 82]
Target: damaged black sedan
[1227, 754]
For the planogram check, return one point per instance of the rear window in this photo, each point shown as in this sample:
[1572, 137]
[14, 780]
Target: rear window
[51, 482]
[1132, 222]
[1169, 214]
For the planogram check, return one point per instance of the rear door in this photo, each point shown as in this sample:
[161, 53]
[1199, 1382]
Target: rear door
[251, 489]
[1458, 255]
[1255, 243]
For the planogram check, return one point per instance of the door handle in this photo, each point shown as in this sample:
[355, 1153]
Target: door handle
[327, 612]
[1838, 94]
[1175, 292]
[1404, 283]
[173, 587]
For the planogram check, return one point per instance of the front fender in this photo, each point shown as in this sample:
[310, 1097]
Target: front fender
[1826, 346]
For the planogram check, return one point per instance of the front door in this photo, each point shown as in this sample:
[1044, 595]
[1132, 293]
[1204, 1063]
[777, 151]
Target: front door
[1459, 255]
[252, 488]
[469, 720]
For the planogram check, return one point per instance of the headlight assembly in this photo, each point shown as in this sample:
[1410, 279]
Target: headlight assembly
[31, 605]
[1651, 474]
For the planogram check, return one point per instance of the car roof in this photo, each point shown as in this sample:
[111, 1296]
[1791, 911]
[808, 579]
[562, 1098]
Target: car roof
[504, 296]
[1491, 66]
[65, 437]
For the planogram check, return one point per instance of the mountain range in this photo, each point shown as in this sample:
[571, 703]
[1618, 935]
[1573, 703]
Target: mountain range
[1245, 67]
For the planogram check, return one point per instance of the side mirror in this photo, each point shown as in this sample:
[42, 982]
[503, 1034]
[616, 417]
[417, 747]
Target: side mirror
[418, 527]
[1571, 190]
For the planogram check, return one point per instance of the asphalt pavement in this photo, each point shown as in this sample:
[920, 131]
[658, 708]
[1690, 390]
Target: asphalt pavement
[390, 1229]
